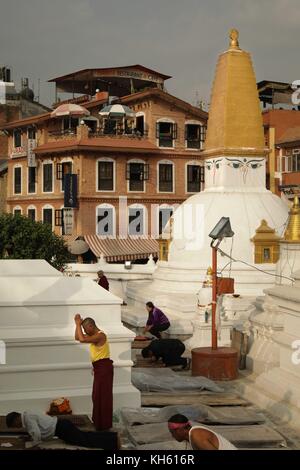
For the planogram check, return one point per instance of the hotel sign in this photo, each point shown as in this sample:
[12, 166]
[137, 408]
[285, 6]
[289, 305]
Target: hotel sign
[19, 152]
[131, 73]
[30, 153]
[26, 151]
[68, 220]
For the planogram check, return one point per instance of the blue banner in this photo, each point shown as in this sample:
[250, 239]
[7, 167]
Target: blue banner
[70, 184]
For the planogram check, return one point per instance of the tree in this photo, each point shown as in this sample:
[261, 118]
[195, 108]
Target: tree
[23, 238]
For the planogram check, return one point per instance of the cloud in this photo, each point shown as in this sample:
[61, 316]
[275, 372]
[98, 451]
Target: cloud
[42, 39]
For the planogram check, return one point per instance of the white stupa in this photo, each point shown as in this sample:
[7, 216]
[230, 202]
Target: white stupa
[235, 187]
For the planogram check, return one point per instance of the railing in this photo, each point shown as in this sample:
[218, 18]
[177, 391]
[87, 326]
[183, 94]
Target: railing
[119, 133]
[59, 133]
[101, 133]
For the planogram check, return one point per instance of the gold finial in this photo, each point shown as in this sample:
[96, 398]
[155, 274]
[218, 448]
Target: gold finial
[208, 280]
[234, 39]
[292, 232]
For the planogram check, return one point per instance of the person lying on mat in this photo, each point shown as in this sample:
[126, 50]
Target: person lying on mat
[169, 350]
[42, 427]
[199, 437]
[157, 321]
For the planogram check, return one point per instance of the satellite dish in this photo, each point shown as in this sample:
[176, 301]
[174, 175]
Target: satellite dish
[78, 247]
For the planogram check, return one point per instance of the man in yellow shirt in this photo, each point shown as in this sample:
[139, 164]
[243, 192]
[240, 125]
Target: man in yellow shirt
[102, 395]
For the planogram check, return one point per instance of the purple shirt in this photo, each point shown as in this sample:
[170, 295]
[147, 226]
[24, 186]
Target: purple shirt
[157, 317]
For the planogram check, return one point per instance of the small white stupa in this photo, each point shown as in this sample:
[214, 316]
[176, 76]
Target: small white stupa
[235, 187]
[43, 361]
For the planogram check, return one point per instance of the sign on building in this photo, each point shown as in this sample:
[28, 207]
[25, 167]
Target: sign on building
[68, 220]
[19, 152]
[70, 183]
[30, 153]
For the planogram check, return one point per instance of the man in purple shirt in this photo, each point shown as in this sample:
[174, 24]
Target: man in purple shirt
[157, 321]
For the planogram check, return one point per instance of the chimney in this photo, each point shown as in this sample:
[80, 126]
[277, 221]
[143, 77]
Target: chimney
[101, 95]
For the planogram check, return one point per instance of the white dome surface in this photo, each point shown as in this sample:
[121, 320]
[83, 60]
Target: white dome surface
[245, 210]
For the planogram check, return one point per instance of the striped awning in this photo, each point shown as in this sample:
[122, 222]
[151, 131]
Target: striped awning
[119, 249]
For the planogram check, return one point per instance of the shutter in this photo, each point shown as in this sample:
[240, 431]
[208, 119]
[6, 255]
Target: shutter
[59, 171]
[157, 130]
[174, 131]
[146, 171]
[58, 217]
[128, 171]
[202, 174]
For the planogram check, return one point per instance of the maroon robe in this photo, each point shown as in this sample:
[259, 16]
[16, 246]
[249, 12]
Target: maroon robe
[103, 282]
[102, 395]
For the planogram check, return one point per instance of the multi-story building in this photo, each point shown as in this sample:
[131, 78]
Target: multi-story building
[289, 163]
[14, 105]
[281, 118]
[127, 173]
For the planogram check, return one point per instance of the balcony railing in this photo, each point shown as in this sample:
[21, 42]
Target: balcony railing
[61, 133]
[119, 133]
[101, 133]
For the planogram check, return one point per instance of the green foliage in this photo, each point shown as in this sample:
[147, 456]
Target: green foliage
[23, 238]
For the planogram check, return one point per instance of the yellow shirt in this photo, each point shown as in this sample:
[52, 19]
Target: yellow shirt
[99, 352]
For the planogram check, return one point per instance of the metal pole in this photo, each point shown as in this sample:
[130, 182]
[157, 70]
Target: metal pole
[214, 338]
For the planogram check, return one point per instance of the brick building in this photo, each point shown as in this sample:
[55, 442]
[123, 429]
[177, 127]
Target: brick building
[281, 118]
[152, 160]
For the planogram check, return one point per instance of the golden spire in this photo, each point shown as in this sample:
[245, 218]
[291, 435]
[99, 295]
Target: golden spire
[235, 124]
[234, 39]
[292, 232]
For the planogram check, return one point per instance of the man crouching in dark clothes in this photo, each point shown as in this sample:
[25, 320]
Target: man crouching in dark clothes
[169, 350]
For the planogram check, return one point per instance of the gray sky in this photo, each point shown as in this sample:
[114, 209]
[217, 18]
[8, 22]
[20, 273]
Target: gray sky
[48, 38]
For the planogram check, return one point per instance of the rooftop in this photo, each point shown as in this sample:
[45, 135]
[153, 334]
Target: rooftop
[119, 81]
[290, 136]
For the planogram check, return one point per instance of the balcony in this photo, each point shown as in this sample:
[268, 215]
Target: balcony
[72, 133]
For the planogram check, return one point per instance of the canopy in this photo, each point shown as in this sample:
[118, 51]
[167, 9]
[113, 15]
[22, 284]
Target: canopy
[117, 110]
[119, 249]
[69, 109]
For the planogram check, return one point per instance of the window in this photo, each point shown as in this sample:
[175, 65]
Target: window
[166, 133]
[105, 220]
[63, 169]
[31, 133]
[110, 126]
[195, 176]
[165, 214]
[17, 212]
[140, 125]
[17, 180]
[70, 124]
[18, 138]
[165, 177]
[267, 254]
[137, 173]
[47, 178]
[136, 221]
[47, 216]
[31, 214]
[193, 136]
[296, 162]
[59, 220]
[105, 176]
[31, 179]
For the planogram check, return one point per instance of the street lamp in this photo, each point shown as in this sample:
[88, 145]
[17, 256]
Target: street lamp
[213, 362]
[220, 231]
